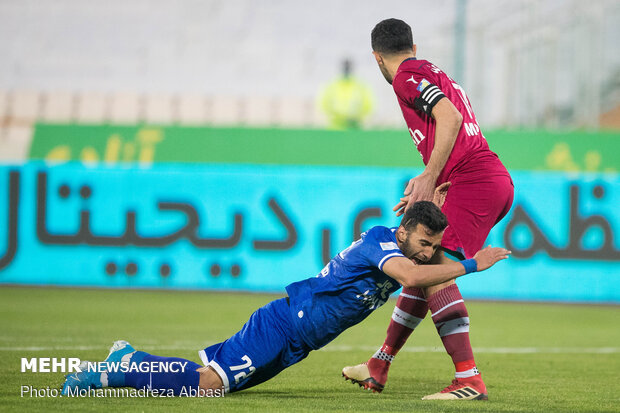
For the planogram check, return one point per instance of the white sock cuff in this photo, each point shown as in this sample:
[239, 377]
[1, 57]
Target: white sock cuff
[466, 373]
[104, 379]
[382, 355]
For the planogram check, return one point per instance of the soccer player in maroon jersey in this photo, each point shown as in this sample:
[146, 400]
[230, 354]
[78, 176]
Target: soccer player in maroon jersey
[444, 129]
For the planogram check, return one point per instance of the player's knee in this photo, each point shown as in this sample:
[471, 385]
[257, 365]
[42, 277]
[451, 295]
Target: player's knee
[209, 379]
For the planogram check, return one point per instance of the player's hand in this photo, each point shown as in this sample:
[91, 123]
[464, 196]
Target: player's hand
[439, 197]
[420, 188]
[485, 258]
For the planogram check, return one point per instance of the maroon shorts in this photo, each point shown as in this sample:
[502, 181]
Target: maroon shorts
[473, 207]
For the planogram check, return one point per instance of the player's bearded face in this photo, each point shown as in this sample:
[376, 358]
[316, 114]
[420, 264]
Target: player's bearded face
[420, 244]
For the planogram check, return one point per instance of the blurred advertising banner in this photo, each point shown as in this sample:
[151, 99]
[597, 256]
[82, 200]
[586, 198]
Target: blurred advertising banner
[112, 144]
[260, 227]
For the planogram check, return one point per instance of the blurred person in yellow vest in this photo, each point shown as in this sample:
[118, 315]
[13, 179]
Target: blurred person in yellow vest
[346, 101]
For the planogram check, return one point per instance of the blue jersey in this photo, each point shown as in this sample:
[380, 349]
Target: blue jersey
[280, 334]
[347, 290]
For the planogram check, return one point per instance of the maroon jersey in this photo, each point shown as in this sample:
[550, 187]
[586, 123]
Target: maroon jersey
[419, 85]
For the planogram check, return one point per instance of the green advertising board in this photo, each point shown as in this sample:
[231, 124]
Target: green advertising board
[144, 144]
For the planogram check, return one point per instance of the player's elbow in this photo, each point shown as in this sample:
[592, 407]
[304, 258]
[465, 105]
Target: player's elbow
[447, 114]
[453, 116]
[412, 282]
[457, 119]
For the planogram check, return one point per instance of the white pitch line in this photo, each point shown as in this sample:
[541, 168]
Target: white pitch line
[344, 348]
[88, 348]
[495, 350]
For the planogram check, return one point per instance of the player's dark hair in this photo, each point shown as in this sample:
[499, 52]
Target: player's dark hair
[391, 36]
[427, 214]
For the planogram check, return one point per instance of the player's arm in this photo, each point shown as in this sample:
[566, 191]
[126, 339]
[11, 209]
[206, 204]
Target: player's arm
[410, 275]
[448, 121]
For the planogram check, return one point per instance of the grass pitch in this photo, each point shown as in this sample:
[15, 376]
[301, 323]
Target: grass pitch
[533, 357]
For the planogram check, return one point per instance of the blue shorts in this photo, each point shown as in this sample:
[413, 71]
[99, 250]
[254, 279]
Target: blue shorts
[267, 344]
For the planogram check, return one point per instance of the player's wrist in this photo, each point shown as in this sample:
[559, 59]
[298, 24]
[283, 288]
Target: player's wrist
[470, 265]
[431, 173]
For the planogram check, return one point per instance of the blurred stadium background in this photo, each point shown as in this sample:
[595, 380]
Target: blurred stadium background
[551, 64]
[183, 145]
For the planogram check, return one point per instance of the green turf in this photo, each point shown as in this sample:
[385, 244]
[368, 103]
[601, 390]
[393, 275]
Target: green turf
[554, 375]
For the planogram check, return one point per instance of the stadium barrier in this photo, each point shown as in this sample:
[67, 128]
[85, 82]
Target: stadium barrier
[261, 227]
[110, 144]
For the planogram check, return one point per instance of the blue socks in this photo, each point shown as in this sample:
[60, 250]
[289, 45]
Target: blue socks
[164, 375]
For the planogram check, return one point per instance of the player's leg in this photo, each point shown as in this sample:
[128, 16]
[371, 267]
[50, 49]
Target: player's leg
[451, 319]
[126, 367]
[452, 322]
[267, 344]
[209, 379]
[472, 210]
[411, 308]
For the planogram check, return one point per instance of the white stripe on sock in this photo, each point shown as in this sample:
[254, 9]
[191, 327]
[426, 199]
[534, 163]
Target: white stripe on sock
[444, 307]
[414, 297]
[458, 325]
[405, 319]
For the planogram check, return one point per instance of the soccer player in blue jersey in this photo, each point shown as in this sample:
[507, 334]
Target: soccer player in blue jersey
[353, 284]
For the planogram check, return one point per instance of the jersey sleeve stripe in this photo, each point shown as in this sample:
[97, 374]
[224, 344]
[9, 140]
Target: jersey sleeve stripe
[427, 90]
[394, 254]
[211, 363]
[431, 97]
[428, 98]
